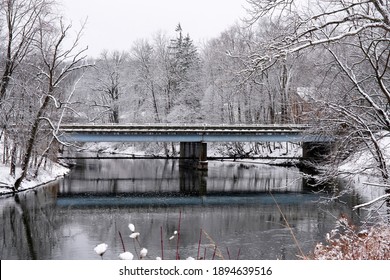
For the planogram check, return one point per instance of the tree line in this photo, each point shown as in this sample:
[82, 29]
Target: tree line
[174, 80]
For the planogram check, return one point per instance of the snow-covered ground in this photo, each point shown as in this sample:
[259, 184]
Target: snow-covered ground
[51, 173]
[109, 148]
[363, 174]
[363, 162]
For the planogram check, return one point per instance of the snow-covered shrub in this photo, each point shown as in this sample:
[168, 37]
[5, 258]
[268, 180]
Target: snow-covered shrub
[346, 242]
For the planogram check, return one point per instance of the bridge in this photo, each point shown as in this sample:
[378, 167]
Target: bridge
[193, 138]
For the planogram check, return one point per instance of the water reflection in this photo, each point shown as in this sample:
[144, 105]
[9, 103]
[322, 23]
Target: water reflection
[100, 198]
[27, 224]
[165, 176]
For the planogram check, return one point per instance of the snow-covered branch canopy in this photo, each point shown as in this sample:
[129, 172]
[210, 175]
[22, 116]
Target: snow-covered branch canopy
[312, 23]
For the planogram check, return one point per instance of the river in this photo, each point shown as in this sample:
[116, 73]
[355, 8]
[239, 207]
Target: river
[228, 210]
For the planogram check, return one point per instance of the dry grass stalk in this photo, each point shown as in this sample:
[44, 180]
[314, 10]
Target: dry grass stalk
[289, 227]
[213, 245]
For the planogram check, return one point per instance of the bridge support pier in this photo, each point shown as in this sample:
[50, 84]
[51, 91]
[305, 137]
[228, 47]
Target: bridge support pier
[316, 151]
[193, 181]
[193, 155]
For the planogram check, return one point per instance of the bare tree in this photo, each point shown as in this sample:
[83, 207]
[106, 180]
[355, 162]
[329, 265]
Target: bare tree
[264, 96]
[56, 65]
[21, 20]
[144, 59]
[317, 23]
[109, 81]
[353, 36]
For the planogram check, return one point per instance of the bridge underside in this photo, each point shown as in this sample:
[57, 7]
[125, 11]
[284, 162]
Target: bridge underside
[193, 148]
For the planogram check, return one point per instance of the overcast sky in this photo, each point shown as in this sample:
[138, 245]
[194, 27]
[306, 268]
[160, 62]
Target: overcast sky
[116, 24]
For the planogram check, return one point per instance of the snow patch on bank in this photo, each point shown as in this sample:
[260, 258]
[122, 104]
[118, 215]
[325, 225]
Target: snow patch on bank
[45, 175]
[363, 174]
[363, 162]
[112, 149]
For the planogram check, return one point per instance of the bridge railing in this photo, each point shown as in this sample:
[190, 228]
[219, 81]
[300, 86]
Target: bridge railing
[193, 128]
[199, 133]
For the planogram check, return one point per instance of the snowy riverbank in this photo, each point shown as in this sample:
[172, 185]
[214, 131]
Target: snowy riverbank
[361, 173]
[46, 175]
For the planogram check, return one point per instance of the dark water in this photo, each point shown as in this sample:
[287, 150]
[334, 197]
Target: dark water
[231, 203]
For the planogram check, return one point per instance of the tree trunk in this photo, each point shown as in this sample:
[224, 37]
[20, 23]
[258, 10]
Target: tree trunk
[43, 156]
[31, 142]
[3, 88]
[6, 76]
[4, 159]
[13, 161]
[114, 114]
[155, 102]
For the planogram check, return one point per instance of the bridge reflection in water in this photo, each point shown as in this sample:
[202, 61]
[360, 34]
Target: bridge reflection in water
[156, 178]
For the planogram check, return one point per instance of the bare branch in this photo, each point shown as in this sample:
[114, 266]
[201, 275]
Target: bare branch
[380, 198]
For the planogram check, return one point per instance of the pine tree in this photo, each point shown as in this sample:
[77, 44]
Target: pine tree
[185, 69]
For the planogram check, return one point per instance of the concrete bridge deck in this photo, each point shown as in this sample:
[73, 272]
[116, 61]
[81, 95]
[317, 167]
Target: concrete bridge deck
[186, 133]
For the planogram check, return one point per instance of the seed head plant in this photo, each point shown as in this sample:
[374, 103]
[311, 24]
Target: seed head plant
[346, 242]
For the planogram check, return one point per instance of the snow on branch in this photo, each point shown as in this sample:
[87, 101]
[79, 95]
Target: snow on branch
[377, 185]
[380, 198]
[320, 23]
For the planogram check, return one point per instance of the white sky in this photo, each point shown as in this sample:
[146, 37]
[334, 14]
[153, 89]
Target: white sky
[116, 24]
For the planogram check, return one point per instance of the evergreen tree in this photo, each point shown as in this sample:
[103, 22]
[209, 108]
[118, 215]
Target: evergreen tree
[185, 71]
